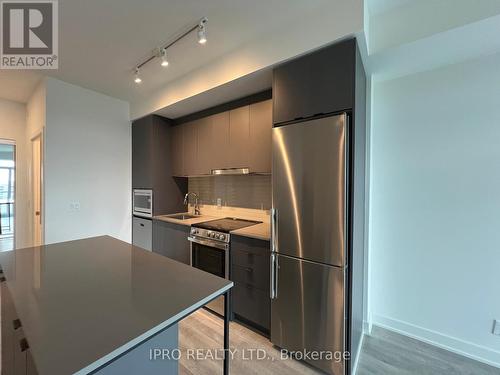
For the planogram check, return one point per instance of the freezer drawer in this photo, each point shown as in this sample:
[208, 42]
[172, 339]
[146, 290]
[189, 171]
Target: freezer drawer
[309, 189]
[142, 233]
[307, 312]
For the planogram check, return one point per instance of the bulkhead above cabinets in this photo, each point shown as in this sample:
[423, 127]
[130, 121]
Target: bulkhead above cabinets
[238, 138]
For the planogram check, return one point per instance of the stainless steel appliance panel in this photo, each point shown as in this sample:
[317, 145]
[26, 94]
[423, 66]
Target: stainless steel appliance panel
[307, 312]
[213, 257]
[142, 202]
[309, 189]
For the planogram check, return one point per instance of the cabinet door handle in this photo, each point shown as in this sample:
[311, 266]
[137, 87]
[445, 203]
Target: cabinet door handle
[274, 276]
[142, 225]
[16, 323]
[274, 230]
[23, 343]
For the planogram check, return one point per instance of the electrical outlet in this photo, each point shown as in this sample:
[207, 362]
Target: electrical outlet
[219, 202]
[496, 327]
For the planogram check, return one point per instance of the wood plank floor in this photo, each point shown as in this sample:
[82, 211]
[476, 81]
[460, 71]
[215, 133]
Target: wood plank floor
[383, 353]
[388, 353]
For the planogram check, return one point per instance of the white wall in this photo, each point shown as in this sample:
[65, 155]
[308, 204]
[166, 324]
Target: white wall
[13, 127]
[435, 206]
[87, 160]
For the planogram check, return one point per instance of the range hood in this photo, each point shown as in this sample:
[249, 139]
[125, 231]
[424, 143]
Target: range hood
[230, 171]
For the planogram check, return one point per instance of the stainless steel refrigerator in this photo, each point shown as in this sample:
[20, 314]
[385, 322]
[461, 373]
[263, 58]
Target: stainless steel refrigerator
[309, 221]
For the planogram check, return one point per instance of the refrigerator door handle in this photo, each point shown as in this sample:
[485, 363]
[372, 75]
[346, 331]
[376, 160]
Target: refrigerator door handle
[274, 232]
[274, 276]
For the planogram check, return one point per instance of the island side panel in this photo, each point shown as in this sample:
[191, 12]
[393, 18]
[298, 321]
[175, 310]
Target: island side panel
[144, 360]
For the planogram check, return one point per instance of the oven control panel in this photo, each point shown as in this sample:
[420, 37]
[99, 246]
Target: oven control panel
[210, 234]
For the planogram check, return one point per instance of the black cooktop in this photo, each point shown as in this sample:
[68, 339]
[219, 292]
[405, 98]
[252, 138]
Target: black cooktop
[226, 225]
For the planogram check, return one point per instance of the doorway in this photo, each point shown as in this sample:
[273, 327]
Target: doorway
[7, 194]
[37, 162]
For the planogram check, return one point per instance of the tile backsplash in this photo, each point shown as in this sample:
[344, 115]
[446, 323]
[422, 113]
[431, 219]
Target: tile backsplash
[248, 191]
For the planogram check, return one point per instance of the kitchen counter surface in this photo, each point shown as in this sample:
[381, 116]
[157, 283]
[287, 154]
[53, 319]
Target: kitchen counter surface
[84, 303]
[187, 222]
[260, 231]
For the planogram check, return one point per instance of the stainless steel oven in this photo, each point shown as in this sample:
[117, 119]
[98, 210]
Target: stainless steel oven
[142, 202]
[210, 253]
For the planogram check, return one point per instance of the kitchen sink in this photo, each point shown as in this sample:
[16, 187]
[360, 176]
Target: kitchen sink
[183, 216]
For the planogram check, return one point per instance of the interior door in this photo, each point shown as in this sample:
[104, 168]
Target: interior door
[36, 144]
[309, 189]
[307, 312]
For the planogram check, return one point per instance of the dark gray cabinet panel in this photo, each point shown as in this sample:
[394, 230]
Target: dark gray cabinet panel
[152, 166]
[239, 137]
[250, 262]
[252, 305]
[261, 124]
[176, 152]
[220, 141]
[16, 356]
[318, 83]
[170, 240]
[142, 153]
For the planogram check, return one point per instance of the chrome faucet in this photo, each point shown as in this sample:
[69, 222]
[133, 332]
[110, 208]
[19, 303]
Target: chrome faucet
[196, 202]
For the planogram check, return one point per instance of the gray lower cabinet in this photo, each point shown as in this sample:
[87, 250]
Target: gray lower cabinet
[142, 233]
[16, 356]
[250, 262]
[170, 240]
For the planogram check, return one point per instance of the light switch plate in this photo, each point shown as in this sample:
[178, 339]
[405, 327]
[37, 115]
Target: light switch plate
[219, 202]
[496, 327]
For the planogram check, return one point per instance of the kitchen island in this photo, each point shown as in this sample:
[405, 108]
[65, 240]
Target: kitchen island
[97, 306]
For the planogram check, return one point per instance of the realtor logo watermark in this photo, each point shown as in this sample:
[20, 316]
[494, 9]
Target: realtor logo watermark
[29, 37]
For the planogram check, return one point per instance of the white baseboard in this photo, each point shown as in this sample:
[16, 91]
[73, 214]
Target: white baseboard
[355, 368]
[367, 327]
[452, 344]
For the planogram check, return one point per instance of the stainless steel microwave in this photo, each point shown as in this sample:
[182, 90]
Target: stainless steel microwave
[142, 202]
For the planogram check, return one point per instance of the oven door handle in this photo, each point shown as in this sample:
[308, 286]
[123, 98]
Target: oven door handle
[222, 246]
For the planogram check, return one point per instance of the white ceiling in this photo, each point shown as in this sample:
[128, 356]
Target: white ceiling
[101, 41]
[18, 85]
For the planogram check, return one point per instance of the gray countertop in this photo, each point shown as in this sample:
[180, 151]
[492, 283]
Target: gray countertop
[260, 231]
[83, 303]
[187, 222]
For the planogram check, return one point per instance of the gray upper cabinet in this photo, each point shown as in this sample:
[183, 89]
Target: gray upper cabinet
[315, 84]
[176, 157]
[190, 148]
[220, 141]
[206, 147]
[261, 124]
[239, 138]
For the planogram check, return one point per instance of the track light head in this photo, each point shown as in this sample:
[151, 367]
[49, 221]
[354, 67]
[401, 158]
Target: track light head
[202, 31]
[137, 77]
[163, 55]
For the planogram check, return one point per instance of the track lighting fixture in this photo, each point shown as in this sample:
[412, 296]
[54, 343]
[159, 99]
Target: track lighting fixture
[137, 78]
[161, 52]
[202, 31]
[163, 55]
